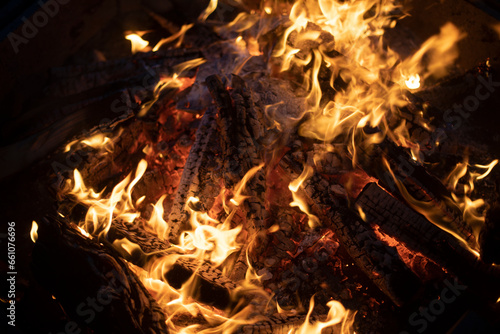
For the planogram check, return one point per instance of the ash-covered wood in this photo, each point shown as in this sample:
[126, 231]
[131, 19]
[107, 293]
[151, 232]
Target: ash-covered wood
[96, 288]
[241, 125]
[190, 181]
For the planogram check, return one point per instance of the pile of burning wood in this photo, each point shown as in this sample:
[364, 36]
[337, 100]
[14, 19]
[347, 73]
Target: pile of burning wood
[278, 176]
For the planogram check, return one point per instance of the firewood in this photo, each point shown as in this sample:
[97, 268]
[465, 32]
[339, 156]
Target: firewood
[281, 324]
[417, 233]
[380, 262]
[83, 276]
[240, 127]
[190, 181]
[213, 288]
[417, 181]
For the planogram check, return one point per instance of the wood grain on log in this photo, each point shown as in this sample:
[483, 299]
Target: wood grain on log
[380, 262]
[396, 219]
[190, 180]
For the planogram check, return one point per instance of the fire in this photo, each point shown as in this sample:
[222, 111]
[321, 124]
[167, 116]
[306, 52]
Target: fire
[34, 231]
[298, 201]
[413, 82]
[207, 239]
[212, 6]
[355, 30]
[336, 315]
[179, 36]
[340, 38]
[137, 43]
[173, 82]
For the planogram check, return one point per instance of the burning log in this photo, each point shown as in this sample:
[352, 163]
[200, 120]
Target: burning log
[396, 219]
[240, 129]
[381, 263]
[190, 180]
[71, 80]
[83, 275]
[418, 183]
[213, 286]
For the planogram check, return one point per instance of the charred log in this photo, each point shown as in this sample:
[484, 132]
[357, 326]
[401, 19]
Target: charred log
[78, 270]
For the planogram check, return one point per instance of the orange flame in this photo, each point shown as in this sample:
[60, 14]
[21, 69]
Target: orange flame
[34, 231]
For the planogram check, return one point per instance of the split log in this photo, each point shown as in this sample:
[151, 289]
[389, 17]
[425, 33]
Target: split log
[241, 126]
[418, 182]
[417, 233]
[380, 262]
[82, 274]
[190, 180]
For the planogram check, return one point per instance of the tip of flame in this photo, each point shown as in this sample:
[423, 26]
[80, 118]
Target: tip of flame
[34, 231]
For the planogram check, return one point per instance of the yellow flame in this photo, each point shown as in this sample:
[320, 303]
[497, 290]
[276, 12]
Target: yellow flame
[336, 315]
[488, 168]
[34, 231]
[138, 44]
[212, 6]
[298, 200]
[170, 82]
[177, 36]
[102, 211]
[368, 68]
[413, 82]
[434, 211]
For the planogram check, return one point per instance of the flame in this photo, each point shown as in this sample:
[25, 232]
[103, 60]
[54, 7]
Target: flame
[98, 141]
[173, 82]
[177, 36]
[34, 231]
[355, 30]
[298, 200]
[413, 82]
[212, 5]
[156, 222]
[101, 210]
[138, 44]
[469, 208]
[336, 315]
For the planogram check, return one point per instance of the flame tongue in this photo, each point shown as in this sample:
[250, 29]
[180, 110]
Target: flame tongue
[34, 231]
